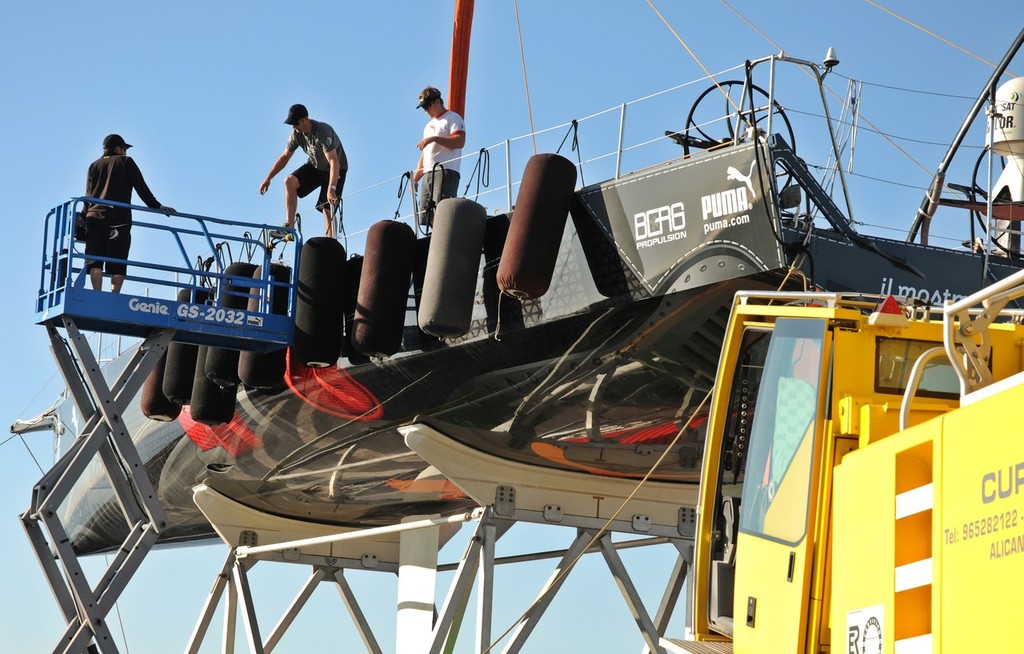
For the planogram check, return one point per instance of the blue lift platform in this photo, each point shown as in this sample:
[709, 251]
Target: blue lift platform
[195, 253]
[180, 252]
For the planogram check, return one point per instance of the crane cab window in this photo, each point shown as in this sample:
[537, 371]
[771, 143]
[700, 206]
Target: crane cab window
[895, 359]
[778, 471]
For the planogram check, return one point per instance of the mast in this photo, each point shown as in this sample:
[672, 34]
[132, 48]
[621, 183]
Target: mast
[459, 67]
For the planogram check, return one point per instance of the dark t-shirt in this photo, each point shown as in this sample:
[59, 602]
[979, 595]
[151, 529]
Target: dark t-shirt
[113, 177]
[321, 140]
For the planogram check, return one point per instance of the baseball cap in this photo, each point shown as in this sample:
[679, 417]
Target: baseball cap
[114, 141]
[296, 112]
[427, 97]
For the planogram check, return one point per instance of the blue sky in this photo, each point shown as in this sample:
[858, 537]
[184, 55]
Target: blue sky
[201, 90]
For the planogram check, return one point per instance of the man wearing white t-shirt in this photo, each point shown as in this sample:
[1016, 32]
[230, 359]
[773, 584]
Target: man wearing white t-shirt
[441, 149]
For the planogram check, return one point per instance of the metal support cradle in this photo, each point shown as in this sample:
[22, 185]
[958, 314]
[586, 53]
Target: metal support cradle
[474, 570]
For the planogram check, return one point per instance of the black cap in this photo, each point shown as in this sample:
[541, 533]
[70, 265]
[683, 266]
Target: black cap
[427, 97]
[296, 112]
[114, 141]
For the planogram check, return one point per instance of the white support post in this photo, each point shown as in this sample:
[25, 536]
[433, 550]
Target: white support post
[417, 578]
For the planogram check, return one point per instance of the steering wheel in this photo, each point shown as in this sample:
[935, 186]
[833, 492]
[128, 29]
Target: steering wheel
[702, 116]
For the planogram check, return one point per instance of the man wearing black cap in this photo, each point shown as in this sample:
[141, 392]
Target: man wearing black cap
[441, 149]
[326, 168]
[113, 177]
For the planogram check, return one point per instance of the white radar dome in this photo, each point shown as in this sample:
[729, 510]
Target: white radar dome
[1008, 137]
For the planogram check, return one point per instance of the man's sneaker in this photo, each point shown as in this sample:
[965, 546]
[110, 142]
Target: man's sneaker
[280, 234]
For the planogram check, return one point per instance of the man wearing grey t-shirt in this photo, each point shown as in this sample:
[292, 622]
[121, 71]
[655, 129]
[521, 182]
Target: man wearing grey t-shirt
[325, 170]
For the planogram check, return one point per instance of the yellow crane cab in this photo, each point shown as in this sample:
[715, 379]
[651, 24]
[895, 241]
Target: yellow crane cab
[862, 477]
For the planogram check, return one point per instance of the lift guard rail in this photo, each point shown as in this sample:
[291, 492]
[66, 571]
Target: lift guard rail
[194, 253]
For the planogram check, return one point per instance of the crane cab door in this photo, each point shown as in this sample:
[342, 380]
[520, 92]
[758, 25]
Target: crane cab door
[764, 568]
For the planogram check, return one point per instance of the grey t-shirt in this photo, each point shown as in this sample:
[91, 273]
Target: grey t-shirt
[321, 140]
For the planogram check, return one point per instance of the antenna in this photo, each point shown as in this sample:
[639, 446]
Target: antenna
[831, 60]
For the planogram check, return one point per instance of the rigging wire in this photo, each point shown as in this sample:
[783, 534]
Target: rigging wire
[906, 89]
[933, 34]
[695, 57]
[830, 91]
[886, 135]
[526, 82]
[753, 27]
[481, 173]
[28, 449]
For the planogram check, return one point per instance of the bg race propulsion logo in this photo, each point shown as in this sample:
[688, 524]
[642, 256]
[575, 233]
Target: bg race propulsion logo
[659, 225]
[721, 210]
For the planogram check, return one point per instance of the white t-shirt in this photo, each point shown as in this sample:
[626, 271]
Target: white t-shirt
[447, 124]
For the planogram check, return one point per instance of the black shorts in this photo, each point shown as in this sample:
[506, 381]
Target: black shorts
[311, 178]
[108, 241]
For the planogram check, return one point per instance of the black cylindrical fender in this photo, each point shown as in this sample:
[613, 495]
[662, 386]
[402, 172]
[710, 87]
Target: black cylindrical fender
[535, 233]
[222, 362]
[319, 306]
[212, 404]
[265, 370]
[180, 368]
[384, 289]
[155, 405]
[450, 281]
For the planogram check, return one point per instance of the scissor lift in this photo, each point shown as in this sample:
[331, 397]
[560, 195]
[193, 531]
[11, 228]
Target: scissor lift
[65, 304]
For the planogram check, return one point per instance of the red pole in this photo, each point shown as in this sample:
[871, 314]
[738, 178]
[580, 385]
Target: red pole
[459, 68]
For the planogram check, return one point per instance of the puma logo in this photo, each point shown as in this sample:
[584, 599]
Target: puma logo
[733, 174]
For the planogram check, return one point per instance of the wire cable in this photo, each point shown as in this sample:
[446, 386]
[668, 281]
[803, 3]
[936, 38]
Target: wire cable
[604, 528]
[832, 93]
[932, 34]
[526, 82]
[694, 56]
